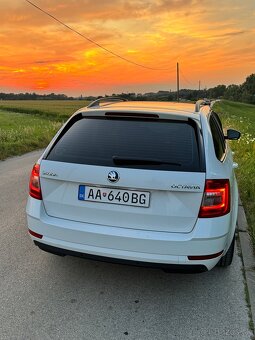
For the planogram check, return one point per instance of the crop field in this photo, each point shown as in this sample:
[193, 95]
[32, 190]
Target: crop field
[30, 124]
[49, 108]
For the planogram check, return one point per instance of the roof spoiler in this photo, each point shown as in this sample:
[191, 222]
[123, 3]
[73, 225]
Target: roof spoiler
[106, 100]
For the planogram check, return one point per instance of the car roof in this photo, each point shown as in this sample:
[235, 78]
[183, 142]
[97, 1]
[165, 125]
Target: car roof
[149, 105]
[163, 109]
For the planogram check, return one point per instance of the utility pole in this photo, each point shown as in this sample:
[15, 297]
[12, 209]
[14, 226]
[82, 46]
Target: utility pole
[199, 84]
[178, 82]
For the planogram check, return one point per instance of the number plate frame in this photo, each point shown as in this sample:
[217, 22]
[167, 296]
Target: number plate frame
[116, 196]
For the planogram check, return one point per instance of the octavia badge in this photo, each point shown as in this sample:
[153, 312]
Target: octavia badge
[113, 176]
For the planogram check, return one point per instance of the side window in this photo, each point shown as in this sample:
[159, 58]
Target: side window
[218, 121]
[217, 118]
[218, 137]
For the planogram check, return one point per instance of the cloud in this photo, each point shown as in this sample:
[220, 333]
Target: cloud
[230, 34]
[82, 10]
[48, 61]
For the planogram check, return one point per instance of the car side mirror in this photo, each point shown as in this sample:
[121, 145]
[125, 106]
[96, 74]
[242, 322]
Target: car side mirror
[233, 134]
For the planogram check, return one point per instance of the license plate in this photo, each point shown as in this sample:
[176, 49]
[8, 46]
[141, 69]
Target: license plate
[114, 196]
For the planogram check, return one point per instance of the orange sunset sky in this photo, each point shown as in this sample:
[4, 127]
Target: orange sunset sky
[213, 40]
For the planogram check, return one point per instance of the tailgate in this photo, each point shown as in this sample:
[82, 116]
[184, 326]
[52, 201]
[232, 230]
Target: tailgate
[173, 206]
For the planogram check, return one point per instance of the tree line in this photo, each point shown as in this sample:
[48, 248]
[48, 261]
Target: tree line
[243, 93]
[33, 96]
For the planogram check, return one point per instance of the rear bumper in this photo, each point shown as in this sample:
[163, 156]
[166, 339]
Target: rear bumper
[138, 246]
[174, 268]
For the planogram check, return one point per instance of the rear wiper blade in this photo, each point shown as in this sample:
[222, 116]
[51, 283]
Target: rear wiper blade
[140, 161]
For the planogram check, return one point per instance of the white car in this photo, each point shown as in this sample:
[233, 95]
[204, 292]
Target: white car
[143, 183]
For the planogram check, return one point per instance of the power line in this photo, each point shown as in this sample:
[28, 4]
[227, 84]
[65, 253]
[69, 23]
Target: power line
[186, 79]
[94, 42]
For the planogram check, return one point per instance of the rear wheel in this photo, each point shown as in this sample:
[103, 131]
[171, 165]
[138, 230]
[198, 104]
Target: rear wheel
[226, 260]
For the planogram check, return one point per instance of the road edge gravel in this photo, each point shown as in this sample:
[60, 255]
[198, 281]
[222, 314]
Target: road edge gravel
[248, 260]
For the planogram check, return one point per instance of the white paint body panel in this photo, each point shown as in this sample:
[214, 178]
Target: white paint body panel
[171, 210]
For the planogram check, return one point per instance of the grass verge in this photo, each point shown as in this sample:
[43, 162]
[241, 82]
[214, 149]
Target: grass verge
[26, 125]
[242, 117]
[21, 133]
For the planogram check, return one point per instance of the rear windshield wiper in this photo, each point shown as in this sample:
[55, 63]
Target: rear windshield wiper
[140, 161]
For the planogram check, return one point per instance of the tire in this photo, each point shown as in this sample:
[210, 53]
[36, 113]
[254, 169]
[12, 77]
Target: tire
[226, 260]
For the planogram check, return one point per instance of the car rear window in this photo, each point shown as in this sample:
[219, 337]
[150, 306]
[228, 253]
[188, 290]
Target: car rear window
[94, 141]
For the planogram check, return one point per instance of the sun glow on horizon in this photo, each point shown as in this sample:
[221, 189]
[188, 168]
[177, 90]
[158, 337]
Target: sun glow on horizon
[211, 45]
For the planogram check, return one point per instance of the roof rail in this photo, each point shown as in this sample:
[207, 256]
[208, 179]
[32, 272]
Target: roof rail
[107, 100]
[201, 102]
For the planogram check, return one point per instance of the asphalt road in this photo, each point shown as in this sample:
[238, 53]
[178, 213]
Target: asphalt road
[43, 296]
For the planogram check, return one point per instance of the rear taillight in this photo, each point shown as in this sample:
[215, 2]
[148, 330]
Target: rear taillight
[216, 199]
[34, 184]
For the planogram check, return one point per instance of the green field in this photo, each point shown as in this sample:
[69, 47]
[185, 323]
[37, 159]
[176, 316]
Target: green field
[29, 125]
[49, 108]
[26, 125]
[21, 133]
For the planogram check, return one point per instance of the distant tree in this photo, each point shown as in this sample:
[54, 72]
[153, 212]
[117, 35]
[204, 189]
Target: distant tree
[233, 92]
[171, 96]
[249, 83]
[216, 92]
[248, 89]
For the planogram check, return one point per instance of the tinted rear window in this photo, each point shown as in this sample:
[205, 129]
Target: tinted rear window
[96, 141]
[218, 137]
